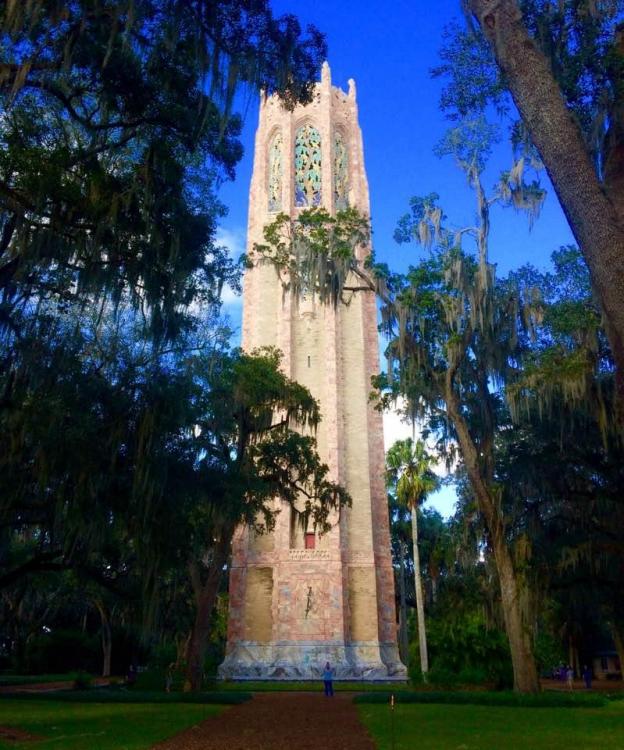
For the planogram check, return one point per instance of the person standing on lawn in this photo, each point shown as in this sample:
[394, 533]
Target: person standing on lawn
[570, 677]
[328, 679]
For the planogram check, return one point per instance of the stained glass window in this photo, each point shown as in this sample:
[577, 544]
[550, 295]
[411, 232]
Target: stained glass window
[275, 173]
[307, 166]
[341, 171]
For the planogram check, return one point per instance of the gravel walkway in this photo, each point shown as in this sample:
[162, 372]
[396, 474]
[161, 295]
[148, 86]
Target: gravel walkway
[279, 721]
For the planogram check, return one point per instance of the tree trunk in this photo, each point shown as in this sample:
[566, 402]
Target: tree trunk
[591, 213]
[518, 631]
[107, 640]
[182, 645]
[403, 635]
[617, 631]
[205, 598]
[420, 608]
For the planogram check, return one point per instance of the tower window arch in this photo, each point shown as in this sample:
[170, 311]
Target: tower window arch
[341, 172]
[307, 166]
[275, 171]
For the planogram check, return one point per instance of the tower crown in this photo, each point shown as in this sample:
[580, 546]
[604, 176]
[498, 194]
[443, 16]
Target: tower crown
[311, 156]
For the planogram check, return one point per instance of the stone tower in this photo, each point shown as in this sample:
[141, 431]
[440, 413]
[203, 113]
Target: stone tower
[298, 599]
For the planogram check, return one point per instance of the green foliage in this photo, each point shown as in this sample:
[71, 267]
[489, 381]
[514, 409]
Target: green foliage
[579, 38]
[408, 470]
[473, 80]
[178, 445]
[317, 255]
[121, 411]
[462, 652]
[117, 119]
[62, 650]
[82, 681]
[467, 648]
[549, 652]
[470, 143]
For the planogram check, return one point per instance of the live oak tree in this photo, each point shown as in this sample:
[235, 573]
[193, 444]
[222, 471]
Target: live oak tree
[178, 444]
[563, 65]
[116, 121]
[565, 451]
[253, 452]
[455, 333]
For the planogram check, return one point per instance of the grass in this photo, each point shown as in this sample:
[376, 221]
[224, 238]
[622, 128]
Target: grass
[68, 726]
[448, 727]
[548, 699]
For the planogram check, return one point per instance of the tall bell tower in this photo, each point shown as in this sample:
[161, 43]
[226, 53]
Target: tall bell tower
[298, 599]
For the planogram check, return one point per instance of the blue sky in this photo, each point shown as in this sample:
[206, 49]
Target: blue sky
[389, 50]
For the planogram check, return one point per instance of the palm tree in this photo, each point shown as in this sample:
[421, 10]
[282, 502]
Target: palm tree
[408, 471]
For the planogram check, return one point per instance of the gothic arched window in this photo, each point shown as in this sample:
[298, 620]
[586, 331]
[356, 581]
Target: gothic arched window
[307, 166]
[341, 173]
[275, 169]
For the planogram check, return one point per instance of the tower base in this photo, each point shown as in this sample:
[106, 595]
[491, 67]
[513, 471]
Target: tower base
[306, 661]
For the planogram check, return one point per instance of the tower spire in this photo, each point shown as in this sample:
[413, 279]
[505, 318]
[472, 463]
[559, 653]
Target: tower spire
[326, 74]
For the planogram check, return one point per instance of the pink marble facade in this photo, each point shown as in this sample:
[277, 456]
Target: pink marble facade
[292, 609]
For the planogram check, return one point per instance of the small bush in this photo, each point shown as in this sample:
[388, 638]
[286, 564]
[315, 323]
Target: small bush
[441, 676]
[82, 681]
[472, 676]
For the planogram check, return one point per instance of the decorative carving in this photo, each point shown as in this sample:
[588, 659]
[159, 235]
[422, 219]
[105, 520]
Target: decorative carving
[309, 602]
[275, 173]
[308, 554]
[307, 167]
[341, 173]
[311, 607]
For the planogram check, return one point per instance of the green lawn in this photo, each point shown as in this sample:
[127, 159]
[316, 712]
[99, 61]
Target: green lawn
[75, 726]
[445, 727]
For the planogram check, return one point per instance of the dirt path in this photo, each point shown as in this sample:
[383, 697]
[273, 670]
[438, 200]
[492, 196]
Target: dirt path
[279, 721]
